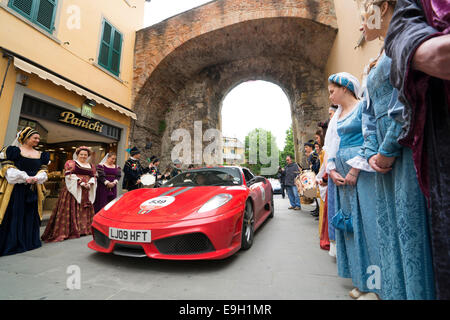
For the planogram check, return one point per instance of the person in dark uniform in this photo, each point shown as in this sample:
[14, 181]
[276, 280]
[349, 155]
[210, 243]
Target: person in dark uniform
[312, 157]
[133, 171]
[281, 175]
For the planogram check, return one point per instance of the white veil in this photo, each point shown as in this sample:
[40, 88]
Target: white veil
[332, 140]
[104, 159]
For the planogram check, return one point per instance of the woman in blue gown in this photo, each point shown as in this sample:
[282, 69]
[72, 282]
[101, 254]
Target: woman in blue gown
[357, 251]
[404, 239]
[24, 171]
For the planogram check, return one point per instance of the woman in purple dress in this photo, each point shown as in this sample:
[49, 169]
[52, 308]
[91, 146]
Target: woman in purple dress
[108, 177]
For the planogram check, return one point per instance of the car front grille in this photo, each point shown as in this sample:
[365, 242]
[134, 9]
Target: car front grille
[192, 243]
[129, 250]
[100, 239]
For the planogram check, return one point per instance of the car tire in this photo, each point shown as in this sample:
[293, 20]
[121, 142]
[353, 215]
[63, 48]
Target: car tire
[248, 227]
[272, 208]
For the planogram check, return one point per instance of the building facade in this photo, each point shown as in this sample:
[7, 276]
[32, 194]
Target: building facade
[233, 151]
[66, 69]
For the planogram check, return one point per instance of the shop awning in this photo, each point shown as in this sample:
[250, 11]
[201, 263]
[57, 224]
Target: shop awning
[29, 68]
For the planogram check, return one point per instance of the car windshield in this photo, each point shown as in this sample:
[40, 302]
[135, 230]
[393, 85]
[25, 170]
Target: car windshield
[206, 177]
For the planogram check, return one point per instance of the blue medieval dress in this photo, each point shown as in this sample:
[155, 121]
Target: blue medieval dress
[20, 226]
[403, 229]
[426, 124]
[358, 250]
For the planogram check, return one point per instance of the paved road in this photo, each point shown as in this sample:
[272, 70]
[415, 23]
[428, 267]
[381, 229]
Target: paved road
[284, 263]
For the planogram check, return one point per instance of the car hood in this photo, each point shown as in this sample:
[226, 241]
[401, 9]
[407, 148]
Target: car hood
[162, 205]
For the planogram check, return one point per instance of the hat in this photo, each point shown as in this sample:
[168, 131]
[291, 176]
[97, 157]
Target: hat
[310, 143]
[26, 133]
[134, 151]
[346, 80]
[176, 161]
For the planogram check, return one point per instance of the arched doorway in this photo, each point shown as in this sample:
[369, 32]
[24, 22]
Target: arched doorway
[182, 80]
[249, 106]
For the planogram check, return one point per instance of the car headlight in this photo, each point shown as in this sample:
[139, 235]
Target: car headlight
[110, 204]
[215, 202]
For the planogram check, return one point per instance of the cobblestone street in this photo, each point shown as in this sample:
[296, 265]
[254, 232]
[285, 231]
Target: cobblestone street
[285, 263]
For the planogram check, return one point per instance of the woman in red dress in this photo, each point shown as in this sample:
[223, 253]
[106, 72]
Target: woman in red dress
[74, 211]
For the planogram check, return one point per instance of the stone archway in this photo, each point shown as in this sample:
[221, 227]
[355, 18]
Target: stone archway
[182, 78]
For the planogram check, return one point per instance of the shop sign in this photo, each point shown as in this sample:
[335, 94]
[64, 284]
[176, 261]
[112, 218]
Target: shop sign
[70, 118]
[38, 108]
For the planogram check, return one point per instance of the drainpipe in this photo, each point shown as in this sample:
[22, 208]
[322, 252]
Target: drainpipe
[6, 72]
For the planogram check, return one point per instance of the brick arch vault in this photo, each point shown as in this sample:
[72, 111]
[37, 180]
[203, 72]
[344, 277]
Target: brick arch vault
[186, 65]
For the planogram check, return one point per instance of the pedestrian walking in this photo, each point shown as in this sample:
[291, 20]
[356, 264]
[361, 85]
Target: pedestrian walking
[292, 170]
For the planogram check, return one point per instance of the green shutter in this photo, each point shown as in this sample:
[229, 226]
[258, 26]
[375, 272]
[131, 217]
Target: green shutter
[115, 54]
[40, 12]
[110, 48]
[24, 7]
[45, 14]
[105, 45]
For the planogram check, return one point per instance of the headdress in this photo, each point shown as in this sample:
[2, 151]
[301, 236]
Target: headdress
[83, 148]
[367, 5]
[25, 133]
[108, 155]
[332, 139]
[346, 80]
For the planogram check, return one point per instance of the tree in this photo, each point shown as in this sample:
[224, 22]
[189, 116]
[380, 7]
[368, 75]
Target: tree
[289, 148]
[254, 143]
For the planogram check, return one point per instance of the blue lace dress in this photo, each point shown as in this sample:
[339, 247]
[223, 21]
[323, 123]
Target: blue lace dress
[357, 251]
[403, 231]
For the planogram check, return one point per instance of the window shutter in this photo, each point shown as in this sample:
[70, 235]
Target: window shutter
[46, 13]
[116, 50]
[23, 6]
[105, 44]
[110, 48]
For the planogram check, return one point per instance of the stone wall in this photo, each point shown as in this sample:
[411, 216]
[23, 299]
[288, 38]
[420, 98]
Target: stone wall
[185, 66]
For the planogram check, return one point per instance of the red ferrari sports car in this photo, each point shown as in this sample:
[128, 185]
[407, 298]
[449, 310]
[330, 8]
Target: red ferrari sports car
[205, 213]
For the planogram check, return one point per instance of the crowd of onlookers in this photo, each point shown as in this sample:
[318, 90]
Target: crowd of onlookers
[384, 172]
[87, 188]
[381, 165]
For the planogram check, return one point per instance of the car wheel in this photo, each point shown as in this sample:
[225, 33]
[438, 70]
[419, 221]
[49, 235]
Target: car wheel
[272, 208]
[248, 227]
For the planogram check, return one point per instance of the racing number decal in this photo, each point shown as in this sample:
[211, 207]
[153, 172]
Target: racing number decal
[155, 203]
[263, 193]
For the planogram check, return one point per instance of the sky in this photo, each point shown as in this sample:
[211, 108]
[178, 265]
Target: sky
[250, 105]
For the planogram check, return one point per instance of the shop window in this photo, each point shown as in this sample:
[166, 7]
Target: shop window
[39, 12]
[110, 48]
